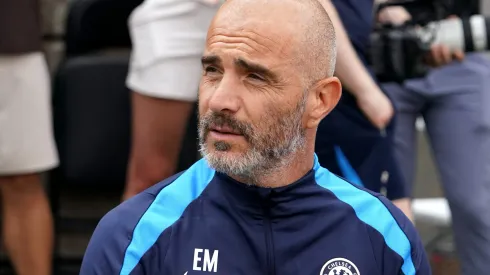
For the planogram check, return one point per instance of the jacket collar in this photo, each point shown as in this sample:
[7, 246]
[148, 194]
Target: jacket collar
[274, 201]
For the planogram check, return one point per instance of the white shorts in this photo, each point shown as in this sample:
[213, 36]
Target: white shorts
[168, 39]
[26, 134]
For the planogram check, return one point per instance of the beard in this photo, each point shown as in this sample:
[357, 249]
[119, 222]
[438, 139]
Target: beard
[272, 142]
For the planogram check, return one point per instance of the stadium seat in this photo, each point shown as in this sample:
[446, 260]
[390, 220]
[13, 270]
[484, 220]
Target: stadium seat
[91, 110]
[92, 25]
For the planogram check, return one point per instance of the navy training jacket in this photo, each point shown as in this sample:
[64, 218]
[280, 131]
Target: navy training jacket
[203, 222]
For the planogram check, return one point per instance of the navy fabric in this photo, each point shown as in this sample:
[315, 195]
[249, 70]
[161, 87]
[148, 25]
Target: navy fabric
[357, 18]
[369, 151]
[202, 222]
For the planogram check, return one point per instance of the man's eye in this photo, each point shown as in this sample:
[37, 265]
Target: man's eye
[210, 69]
[256, 77]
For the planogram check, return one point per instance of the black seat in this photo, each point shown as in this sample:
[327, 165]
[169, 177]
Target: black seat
[92, 25]
[91, 109]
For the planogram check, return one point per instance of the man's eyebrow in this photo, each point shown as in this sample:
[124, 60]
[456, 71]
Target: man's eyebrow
[210, 59]
[256, 68]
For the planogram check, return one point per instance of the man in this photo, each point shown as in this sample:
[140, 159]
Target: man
[168, 39]
[26, 140]
[259, 202]
[453, 101]
[168, 36]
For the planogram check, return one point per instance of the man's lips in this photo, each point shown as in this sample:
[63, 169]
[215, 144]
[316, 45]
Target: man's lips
[224, 130]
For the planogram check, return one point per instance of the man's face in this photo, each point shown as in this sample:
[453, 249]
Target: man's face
[251, 98]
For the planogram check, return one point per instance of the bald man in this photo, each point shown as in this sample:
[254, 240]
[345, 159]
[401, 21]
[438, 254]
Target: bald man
[259, 202]
[168, 39]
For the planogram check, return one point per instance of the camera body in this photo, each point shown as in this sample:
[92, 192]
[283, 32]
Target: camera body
[397, 53]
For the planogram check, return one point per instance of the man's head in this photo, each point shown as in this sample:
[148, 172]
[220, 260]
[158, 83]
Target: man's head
[267, 83]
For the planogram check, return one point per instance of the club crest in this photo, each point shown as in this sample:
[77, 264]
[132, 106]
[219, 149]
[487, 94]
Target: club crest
[339, 266]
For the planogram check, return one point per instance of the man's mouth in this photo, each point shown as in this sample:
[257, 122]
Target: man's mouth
[224, 130]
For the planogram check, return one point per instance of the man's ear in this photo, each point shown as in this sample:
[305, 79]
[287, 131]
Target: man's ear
[325, 96]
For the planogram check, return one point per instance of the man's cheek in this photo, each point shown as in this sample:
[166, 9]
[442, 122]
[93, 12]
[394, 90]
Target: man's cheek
[202, 105]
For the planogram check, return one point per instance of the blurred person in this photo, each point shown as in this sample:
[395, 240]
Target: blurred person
[453, 100]
[356, 139]
[259, 202]
[168, 40]
[27, 145]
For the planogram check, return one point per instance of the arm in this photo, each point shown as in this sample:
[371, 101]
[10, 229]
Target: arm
[399, 250]
[349, 68]
[122, 238]
[105, 251]
[422, 266]
[417, 254]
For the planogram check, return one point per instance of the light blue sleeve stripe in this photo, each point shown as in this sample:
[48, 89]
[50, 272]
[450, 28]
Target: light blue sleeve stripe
[371, 211]
[347, 171]
[167, 208]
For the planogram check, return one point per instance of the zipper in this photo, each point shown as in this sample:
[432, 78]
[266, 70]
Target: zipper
[269, 245]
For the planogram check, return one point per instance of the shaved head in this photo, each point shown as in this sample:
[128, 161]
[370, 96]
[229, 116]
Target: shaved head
[311, 33]
[319, 46]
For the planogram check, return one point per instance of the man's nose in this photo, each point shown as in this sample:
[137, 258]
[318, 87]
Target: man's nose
[226, 97]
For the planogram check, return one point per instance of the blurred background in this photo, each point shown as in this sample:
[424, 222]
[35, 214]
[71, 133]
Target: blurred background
[88, 69]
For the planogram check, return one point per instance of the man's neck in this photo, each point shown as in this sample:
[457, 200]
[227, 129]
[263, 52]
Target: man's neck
[300, 164]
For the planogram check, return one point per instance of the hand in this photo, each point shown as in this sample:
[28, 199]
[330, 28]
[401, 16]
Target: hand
[377, 107]
[396, 15]
[441, 55]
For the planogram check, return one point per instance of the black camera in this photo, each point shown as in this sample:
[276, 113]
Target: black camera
[397, 53]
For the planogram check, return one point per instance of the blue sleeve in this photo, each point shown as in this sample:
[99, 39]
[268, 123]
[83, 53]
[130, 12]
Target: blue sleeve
[407, 256]
[105, 252]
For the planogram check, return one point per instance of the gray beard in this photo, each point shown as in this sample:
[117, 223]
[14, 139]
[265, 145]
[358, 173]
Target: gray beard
[252, 164]
[269, 151]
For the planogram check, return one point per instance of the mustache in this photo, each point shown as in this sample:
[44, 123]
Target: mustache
[221, 119]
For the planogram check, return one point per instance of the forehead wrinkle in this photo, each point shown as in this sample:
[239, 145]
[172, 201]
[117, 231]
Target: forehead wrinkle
[252, 39]
[256, 36]
[236, 43]
[281, 45]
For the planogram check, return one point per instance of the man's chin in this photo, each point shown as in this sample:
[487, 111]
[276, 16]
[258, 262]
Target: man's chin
[226, 147]
[224, 156]
[221, 154]
[228, 165]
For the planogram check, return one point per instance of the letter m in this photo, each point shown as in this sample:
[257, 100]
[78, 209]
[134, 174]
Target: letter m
[210, 262]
